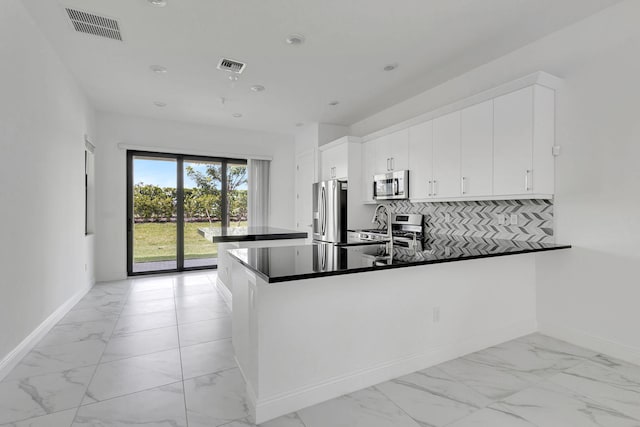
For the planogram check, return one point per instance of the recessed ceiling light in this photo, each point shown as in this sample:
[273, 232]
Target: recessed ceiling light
[160, 104]
[295, 39]
[237, 115]
[159, 69]
[257, 88]
[390, 67]
[299, 125]
[158, 3]
[334, 103]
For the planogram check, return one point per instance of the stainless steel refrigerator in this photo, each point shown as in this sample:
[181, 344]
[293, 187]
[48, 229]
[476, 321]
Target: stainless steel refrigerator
[330, 211]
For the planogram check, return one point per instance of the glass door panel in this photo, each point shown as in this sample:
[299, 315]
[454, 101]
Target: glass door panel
[236, 194]
[203, 213]
[154, 240]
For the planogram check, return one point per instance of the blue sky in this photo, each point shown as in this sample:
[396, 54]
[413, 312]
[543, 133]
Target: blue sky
[163, 172]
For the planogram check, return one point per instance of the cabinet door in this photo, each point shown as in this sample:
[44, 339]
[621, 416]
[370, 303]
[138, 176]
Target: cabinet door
[398, 143]
[476, 150]
[446, 155]
[420, 160]
[334, 162]
[513, 143]
[368, 170]
[382, 154]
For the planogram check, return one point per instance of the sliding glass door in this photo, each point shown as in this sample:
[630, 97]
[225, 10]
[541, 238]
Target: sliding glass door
[176, 203]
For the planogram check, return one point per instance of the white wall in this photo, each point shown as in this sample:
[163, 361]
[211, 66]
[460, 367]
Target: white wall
[162, 135]
[588, 294]
[43, 120]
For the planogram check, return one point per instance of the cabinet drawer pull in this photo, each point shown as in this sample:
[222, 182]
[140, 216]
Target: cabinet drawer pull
[462, 185]
[526, 180]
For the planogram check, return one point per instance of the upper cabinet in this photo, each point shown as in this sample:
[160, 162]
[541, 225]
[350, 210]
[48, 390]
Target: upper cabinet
[497, 147]
[446, 156]
[334, 162]
[391, 152]
[421, 160]
[523, 142]
[476, 150]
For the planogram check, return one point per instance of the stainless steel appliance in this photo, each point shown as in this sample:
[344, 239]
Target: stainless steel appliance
[330, 211]
[391, 186]
[406, 230]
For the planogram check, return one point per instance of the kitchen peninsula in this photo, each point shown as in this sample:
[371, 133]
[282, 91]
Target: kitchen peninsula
[314, 322]
[245, 237]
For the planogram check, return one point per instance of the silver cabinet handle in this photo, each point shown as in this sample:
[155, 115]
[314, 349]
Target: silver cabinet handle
[435, 187]
[462, 185]
[430, 187]
[526, 180]
[393, 161]
[388, 164]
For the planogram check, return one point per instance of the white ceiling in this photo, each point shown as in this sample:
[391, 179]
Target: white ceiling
[348, 42]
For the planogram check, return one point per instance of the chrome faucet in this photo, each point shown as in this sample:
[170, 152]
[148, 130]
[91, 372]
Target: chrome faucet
[389, 242]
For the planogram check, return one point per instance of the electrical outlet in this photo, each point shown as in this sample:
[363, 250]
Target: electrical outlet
[514, 219]
[500, 219]
[447, 217]
[436, 314]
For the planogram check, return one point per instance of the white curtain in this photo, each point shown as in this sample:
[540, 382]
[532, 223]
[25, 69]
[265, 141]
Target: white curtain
[258, 203]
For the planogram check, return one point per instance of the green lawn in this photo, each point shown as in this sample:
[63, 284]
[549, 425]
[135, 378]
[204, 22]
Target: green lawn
[156, 241]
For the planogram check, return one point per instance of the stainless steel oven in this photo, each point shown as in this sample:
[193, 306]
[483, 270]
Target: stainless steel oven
[391, 186]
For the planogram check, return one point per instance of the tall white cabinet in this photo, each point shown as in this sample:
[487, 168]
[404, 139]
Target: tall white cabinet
[476, 150]
[446, 156]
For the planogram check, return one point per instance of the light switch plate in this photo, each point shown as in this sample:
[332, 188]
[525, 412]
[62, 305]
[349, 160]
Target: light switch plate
[501, 219]
[514, 219]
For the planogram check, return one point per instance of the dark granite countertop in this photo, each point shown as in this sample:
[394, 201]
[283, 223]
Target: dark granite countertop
[282, 264]
[248, 234]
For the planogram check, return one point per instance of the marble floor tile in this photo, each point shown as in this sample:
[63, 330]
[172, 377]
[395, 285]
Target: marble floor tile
[491, 380]
[143, 322]
[364, 408]
[216, 399]
[193, 280]
[150, 295]
[625, 368]
[134, 374]
[57, 419]
[289, 420]
[139, 343]
[207, 358]
[604, 385]
[58, 358]
[43, 394]
[158, 407]
[144, 307]
[549, 405]
[198, 314]
[213, 300]
[101, 301]
[489, 417]
[74, 332]
[205, 331]
[183, 291]
[110, 288]
[142, 284]
[432, 397]
[90, 315]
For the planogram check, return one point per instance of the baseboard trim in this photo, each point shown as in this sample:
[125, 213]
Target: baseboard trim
[17, 354]
[592, 342]
[225, 292]
[274, 406]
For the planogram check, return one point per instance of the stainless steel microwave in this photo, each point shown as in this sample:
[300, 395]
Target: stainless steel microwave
[391, 186]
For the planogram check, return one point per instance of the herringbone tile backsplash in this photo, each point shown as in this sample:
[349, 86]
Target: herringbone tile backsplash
[480, 219]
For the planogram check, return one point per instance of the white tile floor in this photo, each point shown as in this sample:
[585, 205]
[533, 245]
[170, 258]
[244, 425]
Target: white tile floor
[157, 352]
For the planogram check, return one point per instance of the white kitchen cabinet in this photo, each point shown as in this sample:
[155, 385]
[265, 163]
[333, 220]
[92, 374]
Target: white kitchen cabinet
[368, 170]
[523, 142]
[446, 156]
[421, 160]
[476, 150]
[391, 151]
[334, 162]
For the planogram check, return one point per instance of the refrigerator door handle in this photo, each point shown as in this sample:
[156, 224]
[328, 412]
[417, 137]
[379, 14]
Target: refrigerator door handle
[323, 211]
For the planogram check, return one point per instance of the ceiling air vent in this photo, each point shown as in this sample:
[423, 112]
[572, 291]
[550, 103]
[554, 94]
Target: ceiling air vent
[231, 66]
[89, 23]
